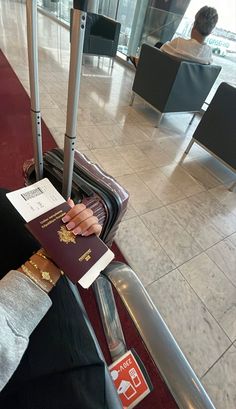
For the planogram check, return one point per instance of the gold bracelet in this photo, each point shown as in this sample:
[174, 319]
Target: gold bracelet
[44, 274]
[33, 278]
[47, 258]
[42, 255]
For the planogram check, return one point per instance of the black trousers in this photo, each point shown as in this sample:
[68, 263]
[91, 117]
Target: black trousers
[60, 368]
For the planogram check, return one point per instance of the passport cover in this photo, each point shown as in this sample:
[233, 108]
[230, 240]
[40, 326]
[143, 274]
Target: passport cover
[81, 258]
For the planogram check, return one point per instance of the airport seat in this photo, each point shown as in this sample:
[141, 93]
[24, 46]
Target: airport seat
[172, 85]
[216, 130]
[101, 35]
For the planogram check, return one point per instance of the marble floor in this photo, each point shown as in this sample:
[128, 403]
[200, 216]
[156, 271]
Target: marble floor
[179, 233]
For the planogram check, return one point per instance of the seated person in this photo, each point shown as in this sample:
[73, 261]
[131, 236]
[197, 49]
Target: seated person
[193, 49]
[60, 369]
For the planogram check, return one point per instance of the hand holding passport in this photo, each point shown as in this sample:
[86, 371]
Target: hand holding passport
[81, 258]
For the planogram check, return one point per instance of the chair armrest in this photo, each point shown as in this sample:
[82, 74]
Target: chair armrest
[169, 359]
[106, 27]
[115, 25]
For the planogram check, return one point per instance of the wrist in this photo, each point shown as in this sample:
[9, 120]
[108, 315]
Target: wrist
[33, 276]
[41, 270]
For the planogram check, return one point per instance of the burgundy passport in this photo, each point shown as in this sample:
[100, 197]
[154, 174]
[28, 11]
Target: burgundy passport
[81, 258]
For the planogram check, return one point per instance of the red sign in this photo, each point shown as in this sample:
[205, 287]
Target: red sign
[129, 380]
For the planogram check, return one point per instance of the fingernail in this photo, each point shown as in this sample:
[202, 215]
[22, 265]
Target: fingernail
[70, 226]
[84, 234]
[77, 230]
[66, 218]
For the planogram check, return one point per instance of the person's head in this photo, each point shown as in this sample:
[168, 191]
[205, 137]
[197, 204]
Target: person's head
[205, 21]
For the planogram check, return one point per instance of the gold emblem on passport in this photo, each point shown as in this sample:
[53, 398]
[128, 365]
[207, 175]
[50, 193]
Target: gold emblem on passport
[66, 236]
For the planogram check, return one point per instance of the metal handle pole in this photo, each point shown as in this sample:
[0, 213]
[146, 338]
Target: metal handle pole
[110, 318]
[77, 43]
[32, 39]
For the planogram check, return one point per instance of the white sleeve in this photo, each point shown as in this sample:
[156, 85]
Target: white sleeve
[170, 45]
[22, 306]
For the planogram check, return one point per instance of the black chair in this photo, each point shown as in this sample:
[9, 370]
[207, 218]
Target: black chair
[101, 35]
[216, 131]
[172, 85]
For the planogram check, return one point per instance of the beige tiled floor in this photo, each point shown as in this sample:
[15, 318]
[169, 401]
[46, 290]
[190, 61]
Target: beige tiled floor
[179, 233]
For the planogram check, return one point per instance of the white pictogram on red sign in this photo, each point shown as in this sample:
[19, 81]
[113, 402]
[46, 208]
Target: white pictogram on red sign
[127, 389]
[129, 380]
[134, 376]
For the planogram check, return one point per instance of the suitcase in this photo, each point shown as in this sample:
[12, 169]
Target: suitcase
[71, 172]
[90, 185]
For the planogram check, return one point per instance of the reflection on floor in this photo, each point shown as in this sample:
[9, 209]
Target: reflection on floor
[179, 234]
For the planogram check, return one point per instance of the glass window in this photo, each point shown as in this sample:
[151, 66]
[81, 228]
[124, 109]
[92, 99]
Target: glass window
[125, 15]
[59, 8]
[108, 7]
[162, 19]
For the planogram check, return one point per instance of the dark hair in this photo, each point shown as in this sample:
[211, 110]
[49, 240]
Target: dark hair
[205, 20]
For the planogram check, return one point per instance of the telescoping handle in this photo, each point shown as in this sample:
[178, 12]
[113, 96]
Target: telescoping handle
[79, 14]
[32, 39]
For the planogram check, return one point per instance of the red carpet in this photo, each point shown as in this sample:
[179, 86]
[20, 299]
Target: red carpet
[16, 136]
[15, 147]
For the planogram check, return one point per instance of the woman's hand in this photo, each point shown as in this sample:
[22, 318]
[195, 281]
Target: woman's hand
[80, 220]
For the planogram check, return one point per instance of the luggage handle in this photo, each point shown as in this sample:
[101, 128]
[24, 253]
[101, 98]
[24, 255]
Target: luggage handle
[32, 40]
[79, 13]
